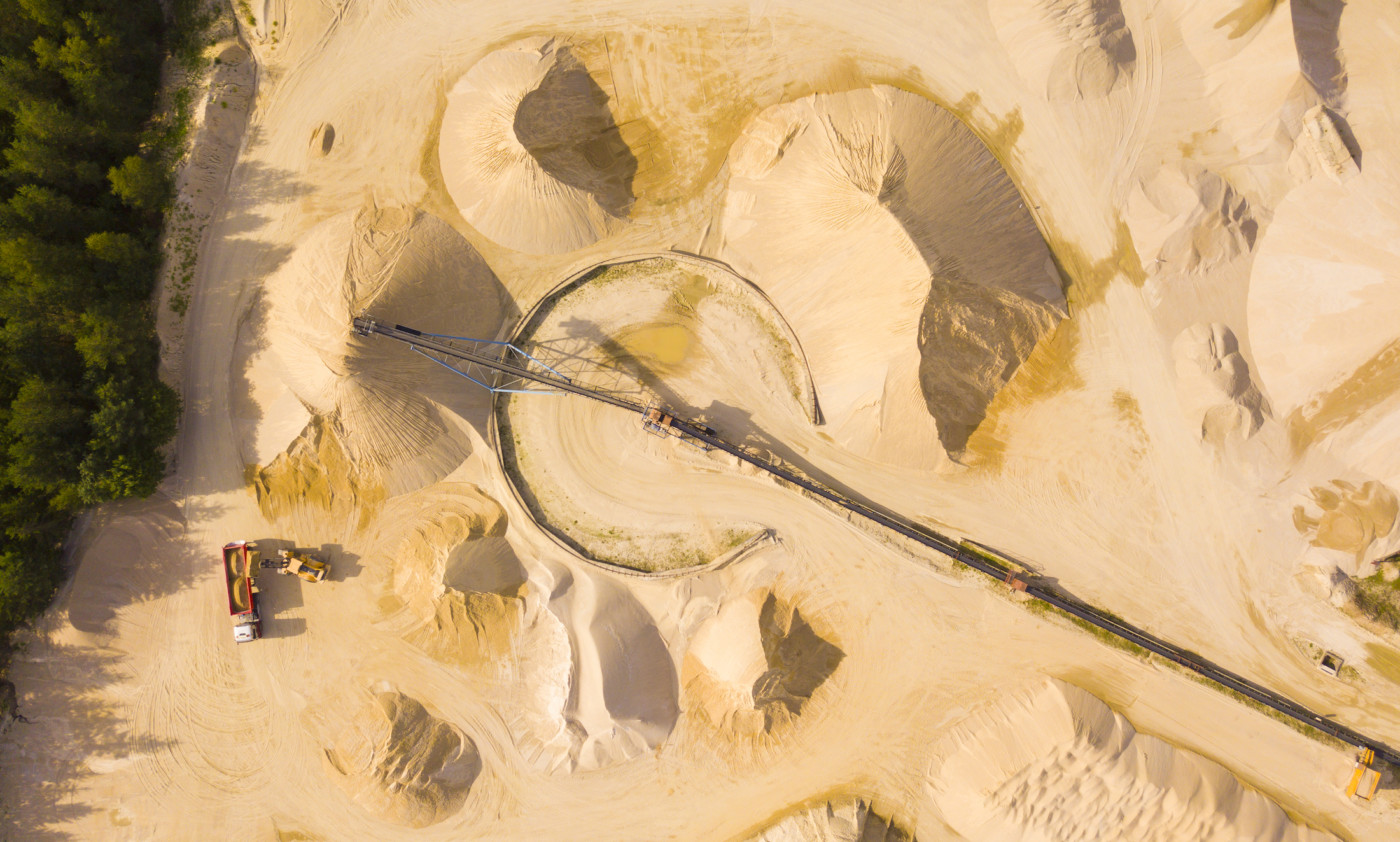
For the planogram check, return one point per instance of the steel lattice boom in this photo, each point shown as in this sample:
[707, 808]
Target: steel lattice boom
[511, 369]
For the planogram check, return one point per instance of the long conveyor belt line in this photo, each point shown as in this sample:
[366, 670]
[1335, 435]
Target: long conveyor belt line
[916, 532]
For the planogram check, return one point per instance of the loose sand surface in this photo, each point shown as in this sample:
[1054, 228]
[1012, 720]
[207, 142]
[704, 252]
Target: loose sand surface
[1107, 285]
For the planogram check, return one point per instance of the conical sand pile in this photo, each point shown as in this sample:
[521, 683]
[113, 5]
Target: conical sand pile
[900, 252]
[401, 266]
[530, 153]
[395, 759]
[755, 665]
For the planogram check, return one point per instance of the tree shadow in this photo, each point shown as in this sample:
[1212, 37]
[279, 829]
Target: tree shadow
[251, 340]
[229, 299]
[565, 124]
[44, 760]
[131, 552]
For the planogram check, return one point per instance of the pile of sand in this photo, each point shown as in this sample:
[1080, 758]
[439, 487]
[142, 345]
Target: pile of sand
[1347, 517]
[1192, 218]
[465, 628]
[401, 266]
[623, 700]
[753, 667]
[423, 529]
[902, 255]
[395, 759]
[1082, 49]
[1321, 311]
[530, 153]
[1055, 763]
[315, 490]
[1322, 147]
[1214, 385]
[838, 820]
[440, 542]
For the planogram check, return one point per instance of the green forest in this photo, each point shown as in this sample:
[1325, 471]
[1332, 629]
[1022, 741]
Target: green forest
[84, 184]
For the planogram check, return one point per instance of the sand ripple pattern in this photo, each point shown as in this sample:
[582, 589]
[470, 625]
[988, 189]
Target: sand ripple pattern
[1057, 764]
[215, 731]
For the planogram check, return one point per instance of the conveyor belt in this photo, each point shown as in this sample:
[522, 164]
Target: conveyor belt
[896, 523]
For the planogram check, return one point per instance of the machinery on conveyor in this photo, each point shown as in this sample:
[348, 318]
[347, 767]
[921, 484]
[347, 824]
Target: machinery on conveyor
[513, 370]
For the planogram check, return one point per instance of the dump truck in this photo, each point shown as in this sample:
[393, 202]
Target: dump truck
[240, 559]
[1365, 779]
[290, 563]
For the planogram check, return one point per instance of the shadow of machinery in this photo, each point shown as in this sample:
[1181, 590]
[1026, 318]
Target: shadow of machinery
[280, 595]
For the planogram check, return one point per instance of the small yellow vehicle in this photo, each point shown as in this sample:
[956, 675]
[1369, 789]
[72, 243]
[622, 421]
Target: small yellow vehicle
[291, 563]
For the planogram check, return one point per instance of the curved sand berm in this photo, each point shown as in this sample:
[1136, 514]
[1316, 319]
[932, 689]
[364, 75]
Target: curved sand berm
[680, 332]
[902, 255]
[530, 153]
[1055, 763]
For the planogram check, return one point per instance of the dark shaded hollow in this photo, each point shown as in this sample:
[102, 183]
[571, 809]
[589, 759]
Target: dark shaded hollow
[486, 565]
[987, 306]
[972, 339]
[799, 660]
[566, 126]
[1113, 35]
[1315, 25]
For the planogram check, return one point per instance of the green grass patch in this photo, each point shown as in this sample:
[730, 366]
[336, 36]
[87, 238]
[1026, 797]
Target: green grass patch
[1379, 600]
[1108, 638]
[1384, 660]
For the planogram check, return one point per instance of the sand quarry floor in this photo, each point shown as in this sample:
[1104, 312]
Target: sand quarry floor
[1109, 286]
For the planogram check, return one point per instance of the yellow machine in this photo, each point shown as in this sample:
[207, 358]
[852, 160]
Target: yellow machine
[1364, 779]
[291, 563]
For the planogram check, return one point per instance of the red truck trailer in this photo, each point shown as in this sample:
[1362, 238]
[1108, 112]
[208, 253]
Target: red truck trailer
[240, 562]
